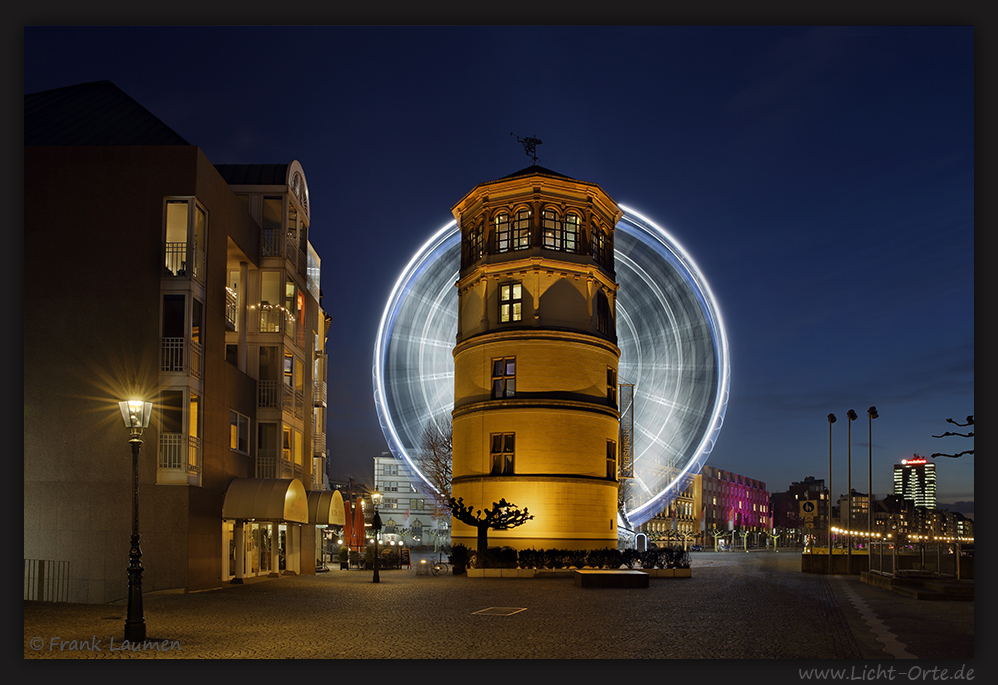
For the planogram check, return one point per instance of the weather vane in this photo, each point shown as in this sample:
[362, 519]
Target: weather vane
[529, 145]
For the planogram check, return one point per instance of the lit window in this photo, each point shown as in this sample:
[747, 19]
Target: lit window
[510, 302]
[521, 230]
[504, 377]
[502, 453]
[238, 432]
[502, 231]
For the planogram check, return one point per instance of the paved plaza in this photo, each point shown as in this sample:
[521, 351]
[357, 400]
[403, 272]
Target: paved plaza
[735, 606]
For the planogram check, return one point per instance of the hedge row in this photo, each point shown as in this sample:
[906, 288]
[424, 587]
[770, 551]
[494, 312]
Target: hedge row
[507, 557]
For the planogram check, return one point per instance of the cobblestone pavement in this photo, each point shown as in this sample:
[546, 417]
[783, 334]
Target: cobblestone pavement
[735, 606]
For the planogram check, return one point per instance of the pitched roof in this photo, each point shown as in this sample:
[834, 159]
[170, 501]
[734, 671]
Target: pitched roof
[535, 169]
[96, 113]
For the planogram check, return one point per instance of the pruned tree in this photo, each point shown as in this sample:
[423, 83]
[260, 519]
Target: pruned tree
[969, 434]
[502, 516]
[435, 459]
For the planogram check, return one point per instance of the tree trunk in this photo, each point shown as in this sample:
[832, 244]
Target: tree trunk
[483, 545]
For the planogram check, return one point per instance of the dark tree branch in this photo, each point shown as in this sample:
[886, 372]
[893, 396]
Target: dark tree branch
[953, 455]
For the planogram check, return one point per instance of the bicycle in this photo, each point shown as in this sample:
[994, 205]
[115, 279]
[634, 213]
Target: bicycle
[440, 567]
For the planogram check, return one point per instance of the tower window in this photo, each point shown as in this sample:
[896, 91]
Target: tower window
[571, 233]
[558, 234]
[475, 244]
[510, 302]
[504, 377]
[602, 314]
[611, 459]
[502, 454]
[502, 233]
[611, 386]
[521, 230]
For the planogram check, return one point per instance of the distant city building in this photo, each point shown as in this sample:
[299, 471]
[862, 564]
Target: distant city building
[915, 479]
[789, 518]
[408, 511]
[859, 519]
[680, 521]
[733, 502]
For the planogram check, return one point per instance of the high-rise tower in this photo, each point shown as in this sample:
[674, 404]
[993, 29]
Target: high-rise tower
[535, 416]
[915, 479]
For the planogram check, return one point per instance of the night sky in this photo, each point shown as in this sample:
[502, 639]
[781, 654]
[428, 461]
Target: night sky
[820, 177]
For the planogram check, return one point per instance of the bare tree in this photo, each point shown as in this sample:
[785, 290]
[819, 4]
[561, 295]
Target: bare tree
[435, 458]
[502, 516]
[969, 434]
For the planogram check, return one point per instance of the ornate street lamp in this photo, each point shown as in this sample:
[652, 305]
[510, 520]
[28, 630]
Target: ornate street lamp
[852, 417]
[376, 526]
[831, 420]
[136, 415]
[872, 413]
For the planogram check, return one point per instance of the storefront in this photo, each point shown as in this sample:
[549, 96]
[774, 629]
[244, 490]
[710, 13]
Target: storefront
[325, 511]
[261, 527]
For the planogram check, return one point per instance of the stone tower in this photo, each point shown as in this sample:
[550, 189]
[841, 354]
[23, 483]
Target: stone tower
[535, 416]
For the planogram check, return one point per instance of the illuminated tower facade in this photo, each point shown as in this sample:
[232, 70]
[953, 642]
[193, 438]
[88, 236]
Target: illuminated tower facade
[915, 479]
[535, 417]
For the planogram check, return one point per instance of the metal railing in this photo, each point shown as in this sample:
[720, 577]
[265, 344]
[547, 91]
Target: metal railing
[268, 394]
[172, 354]
[46, 580]
[231, 302]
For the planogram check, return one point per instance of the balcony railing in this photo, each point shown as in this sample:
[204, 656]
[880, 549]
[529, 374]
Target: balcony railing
[266, 463]
[271, 318]
[176, 259]
[268, 394]
[193, 455]
[319, 444]
[231, 302]
[271, 242]
[171, 451]
[172, 355]
[197, 357]
[319, 393]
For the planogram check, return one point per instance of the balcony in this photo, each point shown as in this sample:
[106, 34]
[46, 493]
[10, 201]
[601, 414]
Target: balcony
[172, 354]
[179, 453]
[319, 393]
[231, 303]
[280, 395]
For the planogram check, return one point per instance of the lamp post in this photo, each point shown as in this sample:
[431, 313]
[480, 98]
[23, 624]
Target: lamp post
[136, 415]
[852, 417]
[376, 526]
[872, 413]
[831, 420]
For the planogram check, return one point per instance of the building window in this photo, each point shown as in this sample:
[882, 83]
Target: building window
[602, 314]
[504, 377]
[502, 233]
[510, 302]
[571, 243]
[611, 459]
[611, 386]
[186, 228]
[551, 230]
[238, 432]
[475, 244]
[521, 230]
[502, 453]
[601, 247]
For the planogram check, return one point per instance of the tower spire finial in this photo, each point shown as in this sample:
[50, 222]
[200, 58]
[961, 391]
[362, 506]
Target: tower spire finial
[529, 145]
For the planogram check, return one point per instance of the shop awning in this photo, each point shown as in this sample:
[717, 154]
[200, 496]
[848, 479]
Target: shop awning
[325, 507]
[266, 499]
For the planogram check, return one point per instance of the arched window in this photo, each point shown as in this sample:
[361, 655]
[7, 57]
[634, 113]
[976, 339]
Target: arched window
[521, 230]
[551, 230]
[572, 227]
[502, 233]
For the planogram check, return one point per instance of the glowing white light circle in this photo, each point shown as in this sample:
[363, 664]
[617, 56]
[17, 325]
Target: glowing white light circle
[672, 348]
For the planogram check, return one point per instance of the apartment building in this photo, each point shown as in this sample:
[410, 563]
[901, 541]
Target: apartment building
[150, 273]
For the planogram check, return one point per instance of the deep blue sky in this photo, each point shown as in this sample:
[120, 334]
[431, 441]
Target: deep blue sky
[821, 178]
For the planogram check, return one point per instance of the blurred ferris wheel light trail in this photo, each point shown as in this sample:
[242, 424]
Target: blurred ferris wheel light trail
[673, 349]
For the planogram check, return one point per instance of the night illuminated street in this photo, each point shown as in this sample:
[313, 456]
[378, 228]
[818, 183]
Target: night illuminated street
[736, 606]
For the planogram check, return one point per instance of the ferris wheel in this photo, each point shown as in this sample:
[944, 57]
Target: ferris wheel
[673, 356]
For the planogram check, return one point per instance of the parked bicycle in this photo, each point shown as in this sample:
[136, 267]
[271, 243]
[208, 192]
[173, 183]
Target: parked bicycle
[440, 567]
